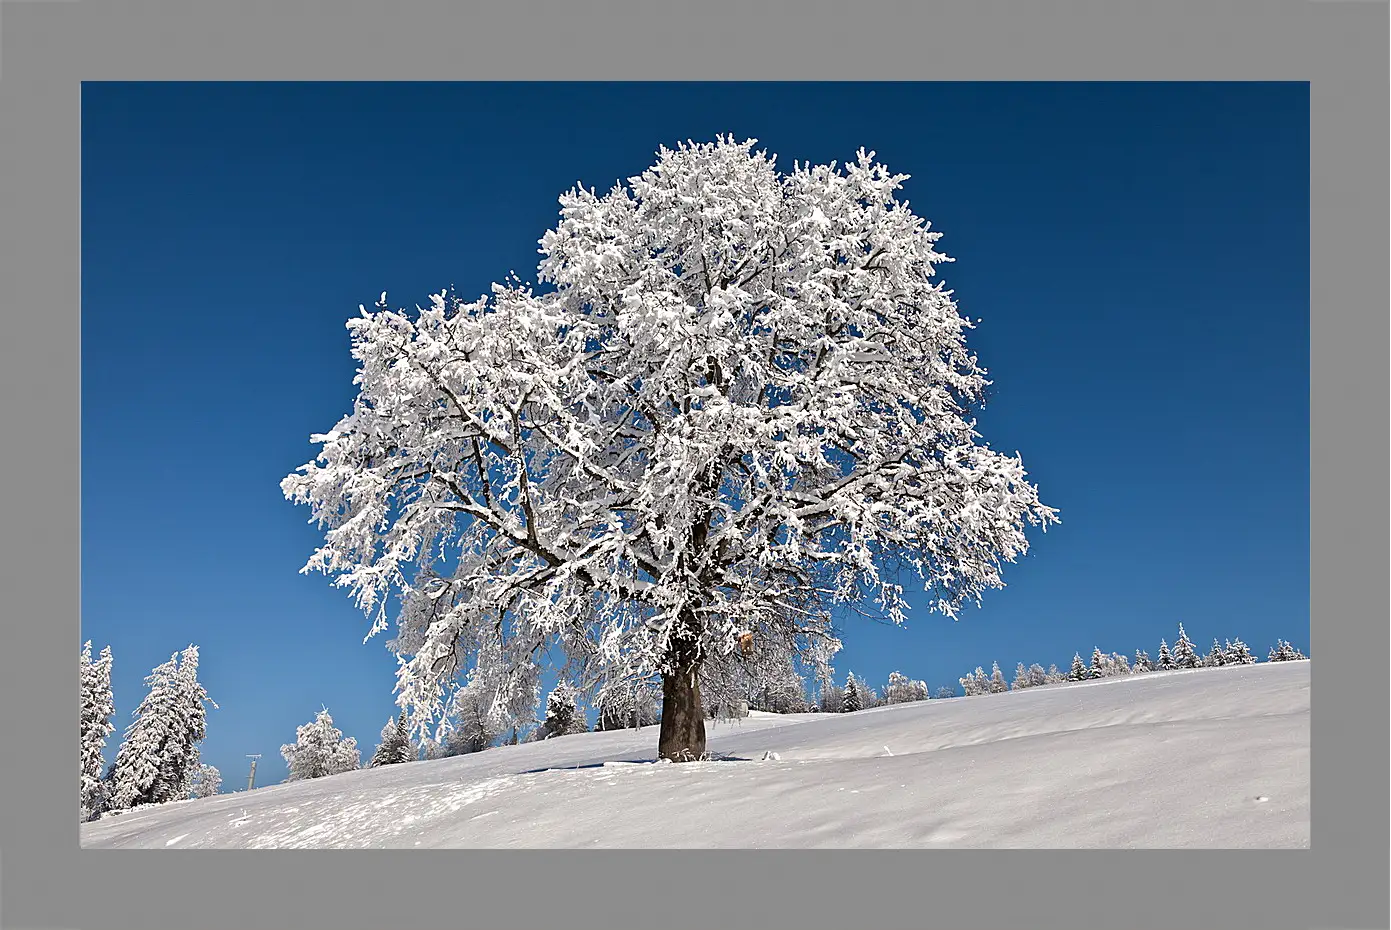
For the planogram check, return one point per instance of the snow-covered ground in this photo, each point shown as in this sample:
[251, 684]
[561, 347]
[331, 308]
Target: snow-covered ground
[1209, 758]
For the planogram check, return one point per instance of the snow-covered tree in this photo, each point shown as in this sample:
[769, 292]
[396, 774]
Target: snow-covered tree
[854, 695]
[978, 682]
[563, 715]
[632, 706]
[1285, 652]
[1078, 672]
[945, 692]
[1021, 678]
[1100, 664]
[1054, 676]
[997, 683]
[320, 749]
[1238, 653]
[759, 673]
[1216, 656]
[832, 700]
[902, 690]
[158, 757]
[207, 783]
[1166, 659]
[1120, 665]
[395, 746]
[1184, 654]
[97, 709]
[1037, 676]
[1142, 661]
[742, 400]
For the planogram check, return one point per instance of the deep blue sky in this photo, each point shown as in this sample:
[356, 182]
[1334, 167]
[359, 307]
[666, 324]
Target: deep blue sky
[1138, 253]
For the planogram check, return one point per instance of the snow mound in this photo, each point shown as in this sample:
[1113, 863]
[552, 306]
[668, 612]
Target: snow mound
[1217, 758]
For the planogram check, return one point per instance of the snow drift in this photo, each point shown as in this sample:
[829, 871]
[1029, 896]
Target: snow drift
[1214, 758]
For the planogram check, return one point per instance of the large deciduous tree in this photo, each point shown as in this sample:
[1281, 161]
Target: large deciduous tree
[737, 400]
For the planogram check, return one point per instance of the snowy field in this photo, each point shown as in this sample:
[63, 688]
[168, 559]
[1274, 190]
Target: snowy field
[1215, 758]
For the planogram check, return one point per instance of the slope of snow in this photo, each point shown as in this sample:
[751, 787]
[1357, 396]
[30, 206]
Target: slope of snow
[1210, 758]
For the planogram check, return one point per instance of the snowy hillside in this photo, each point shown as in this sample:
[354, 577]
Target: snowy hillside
[1206, 758]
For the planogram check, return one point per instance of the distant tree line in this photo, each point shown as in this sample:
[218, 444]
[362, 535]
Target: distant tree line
[1183, 655]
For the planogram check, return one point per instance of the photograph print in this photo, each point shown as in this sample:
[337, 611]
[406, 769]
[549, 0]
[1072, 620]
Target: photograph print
[682, 465]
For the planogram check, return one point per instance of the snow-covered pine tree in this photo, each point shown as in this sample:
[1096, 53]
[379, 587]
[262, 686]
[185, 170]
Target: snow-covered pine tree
[1142, 661]
[673, 453]
[1078, 672]
[1216, 656]
[97, 709]
[1120, 665]
[997, 683]
[1285, 652]
[945, 692]
[182, 763]
[563, 715]
[1021, 678]
[1055, 676]
[1238, 653]
[1099, 664]
[101, 801]
[832, 698]
[158, 757]
[1037, 676]
[968, 683]
[1184, 654]
[1166, 658]
[320, 749]
[208, 782]
[136, 770]
[854, 695]
[395, 746]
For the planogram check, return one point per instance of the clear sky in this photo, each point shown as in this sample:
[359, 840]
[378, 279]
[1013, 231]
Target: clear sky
[1138, 254]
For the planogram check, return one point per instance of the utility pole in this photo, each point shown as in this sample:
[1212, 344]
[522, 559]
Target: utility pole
[251, 779]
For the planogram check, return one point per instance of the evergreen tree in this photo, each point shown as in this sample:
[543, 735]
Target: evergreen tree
[982, 681]
[970, 684]
[562, 712]
[832, 698]
[98, 707]
[1238, 653]
[320, 749]
[854, 695]
[1054, 676]
[1216, 656]
[208, 782]
[997, 684]
[1037, 676]
[945, 692]
[1120, 665]
[395, 746]
[1021, 678]
[1142, 661]
[1166, 659]
[158, 758]
[1098, 667]
[1285, 652]
[1078, 672]
[1184, 655]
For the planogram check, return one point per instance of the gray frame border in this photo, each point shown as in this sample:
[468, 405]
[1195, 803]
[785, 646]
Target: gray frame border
[47, 48]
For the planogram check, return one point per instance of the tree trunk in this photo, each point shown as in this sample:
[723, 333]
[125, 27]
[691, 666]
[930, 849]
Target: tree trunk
[682, 737]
